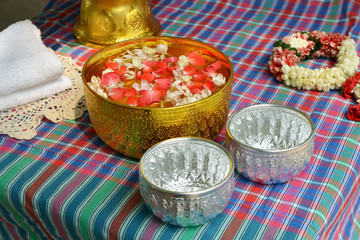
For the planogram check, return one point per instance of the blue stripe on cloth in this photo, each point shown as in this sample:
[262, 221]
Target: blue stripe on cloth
[46, 194]
[216, 223]
[7, 159]
[136, 221]
[76, 201]
[113, 204]
[14, 225]
[168, 231]
[17, 200]
[251, 230]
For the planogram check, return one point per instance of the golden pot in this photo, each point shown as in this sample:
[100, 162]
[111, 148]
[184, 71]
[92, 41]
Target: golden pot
[132, 130]
[105, 22]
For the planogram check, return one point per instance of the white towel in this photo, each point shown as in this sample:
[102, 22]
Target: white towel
[28, 95]
[26, 63]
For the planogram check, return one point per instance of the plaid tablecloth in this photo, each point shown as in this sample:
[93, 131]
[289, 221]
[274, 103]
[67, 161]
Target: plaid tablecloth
[67, 184]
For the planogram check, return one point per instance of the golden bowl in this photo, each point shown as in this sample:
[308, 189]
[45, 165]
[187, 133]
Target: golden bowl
[132, 130]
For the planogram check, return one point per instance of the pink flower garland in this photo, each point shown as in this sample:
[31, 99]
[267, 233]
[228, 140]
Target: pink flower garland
[349, 86]
[330, 43]
[292, 49]
[280, 57]
[286, 55]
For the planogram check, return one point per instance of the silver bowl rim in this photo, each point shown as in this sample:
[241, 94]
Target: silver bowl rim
[268, 105]
[228, 176]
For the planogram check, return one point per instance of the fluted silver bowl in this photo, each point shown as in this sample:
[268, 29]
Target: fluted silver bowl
[186, 181]
[270, 143]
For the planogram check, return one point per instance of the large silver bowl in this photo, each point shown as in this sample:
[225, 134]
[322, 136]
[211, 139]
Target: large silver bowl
[186, 181]
[270, 143]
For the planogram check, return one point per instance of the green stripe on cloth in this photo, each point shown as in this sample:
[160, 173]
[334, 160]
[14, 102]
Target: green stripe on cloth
[87, 210]
[18, 167]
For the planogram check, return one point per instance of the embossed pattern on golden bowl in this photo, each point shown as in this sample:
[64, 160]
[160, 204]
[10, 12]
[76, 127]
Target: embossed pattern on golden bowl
[132, 130]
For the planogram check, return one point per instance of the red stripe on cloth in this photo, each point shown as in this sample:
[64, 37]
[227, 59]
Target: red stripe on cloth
[242, 213]
[151, 229]
[59, 200]
[308, 103]
[10, 227]
[30, 192]
[233, 227]
[342, 209]
[125, 211]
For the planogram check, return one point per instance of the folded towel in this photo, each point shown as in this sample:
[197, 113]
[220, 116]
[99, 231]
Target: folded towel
[31, 94]
[25, 62]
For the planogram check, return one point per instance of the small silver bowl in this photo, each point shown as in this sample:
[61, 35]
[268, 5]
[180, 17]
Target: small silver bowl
[270, 143]
[186, 181]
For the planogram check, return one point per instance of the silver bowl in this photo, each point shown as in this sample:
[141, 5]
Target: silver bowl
[186, 181]
[270, 143]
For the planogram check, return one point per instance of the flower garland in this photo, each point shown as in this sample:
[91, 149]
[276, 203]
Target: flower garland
[351, 89]
[306, 45]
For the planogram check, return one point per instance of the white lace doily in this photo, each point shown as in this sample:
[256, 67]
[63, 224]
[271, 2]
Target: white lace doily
[21, 122]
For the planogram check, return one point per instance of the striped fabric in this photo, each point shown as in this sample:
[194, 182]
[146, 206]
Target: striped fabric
[67, 184]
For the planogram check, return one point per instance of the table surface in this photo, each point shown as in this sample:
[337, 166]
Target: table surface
[67, 184]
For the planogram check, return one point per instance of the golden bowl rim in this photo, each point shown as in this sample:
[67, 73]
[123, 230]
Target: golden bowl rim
[229, 82]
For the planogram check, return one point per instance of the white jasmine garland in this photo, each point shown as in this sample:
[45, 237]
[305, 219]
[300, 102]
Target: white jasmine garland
[318, 79]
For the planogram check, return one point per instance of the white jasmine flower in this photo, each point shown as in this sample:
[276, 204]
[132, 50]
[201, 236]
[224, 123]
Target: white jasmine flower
[107, 71]
[176, 83]
[102, 93]
[137, 63]
[183, 61]
[162, 48]
[149, 50]
[145, 85]
[94, 84]
[219, 79]
[173, 96]
[298, 42]
[130, 75]
[356, 92]
[186, 79]
[118, 60]
[178, 73]
[141, 54]
[205, 93]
